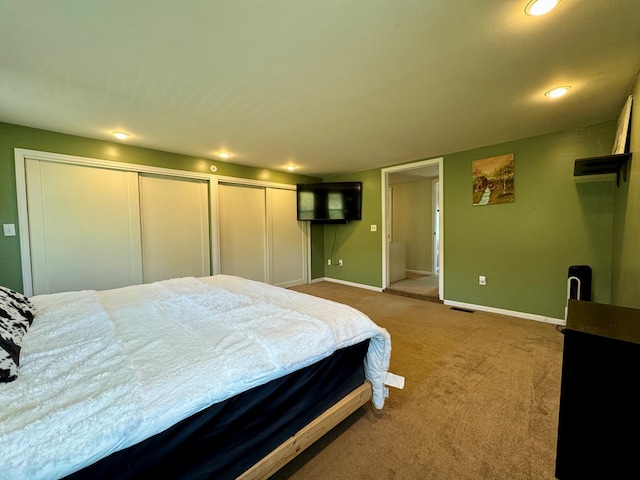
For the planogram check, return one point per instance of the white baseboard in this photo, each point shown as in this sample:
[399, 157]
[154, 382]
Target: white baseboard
[511, 313]
[344, 282]
[419, 272]
[466, 306]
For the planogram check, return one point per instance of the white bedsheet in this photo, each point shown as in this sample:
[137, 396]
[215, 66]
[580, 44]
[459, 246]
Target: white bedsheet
[101, 371]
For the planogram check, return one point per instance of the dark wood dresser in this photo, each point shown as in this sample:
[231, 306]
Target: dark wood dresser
[599, 419]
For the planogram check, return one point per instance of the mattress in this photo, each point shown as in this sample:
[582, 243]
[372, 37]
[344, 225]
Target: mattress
[107, 370]
[227, 438]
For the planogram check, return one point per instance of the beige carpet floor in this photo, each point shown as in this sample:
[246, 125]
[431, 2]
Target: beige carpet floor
[424, 287]
[480, 401]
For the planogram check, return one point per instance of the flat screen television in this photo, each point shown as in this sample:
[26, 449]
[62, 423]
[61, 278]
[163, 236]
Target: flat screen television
[336, 202]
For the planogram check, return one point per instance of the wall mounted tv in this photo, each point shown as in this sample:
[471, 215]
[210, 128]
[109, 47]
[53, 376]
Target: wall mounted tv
[336, 202]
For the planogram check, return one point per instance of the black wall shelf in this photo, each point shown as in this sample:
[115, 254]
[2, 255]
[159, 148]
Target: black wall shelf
[606, 164]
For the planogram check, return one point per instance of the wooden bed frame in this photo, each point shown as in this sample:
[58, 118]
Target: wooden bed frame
[309, 434]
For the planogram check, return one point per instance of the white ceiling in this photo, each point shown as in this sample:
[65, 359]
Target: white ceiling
[332, 86]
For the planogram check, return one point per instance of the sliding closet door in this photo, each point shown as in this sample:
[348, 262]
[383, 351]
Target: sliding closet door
[175, 227]
[287, 241]
[242, 226]
[84, 227]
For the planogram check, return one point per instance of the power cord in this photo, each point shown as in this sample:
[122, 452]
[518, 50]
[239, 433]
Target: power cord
[335, 234]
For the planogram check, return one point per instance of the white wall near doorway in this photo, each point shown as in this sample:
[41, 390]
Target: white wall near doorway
[412, 221]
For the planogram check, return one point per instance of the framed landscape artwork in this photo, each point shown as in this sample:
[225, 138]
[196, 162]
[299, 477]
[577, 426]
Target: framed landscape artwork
[493, 180]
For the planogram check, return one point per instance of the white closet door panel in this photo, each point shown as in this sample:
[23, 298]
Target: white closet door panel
[175, 227]
[287, 242]
[242, 229]
[84, 227]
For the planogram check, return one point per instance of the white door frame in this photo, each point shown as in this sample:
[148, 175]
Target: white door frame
[386, 215]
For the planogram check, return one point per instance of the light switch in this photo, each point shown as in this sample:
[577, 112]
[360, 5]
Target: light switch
[9, 229]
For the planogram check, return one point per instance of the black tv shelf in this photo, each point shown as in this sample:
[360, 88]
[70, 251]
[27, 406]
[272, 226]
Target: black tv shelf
[606, 164]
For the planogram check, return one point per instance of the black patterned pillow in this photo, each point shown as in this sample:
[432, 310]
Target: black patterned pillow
[16, 316]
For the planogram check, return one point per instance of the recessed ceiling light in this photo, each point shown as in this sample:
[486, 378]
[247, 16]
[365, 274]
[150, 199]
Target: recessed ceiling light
[557, 92]
[291, 168]
[540, 7]
[121, 135]
[224, 155]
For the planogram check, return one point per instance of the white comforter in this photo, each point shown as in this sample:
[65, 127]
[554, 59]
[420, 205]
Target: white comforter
[101, 371]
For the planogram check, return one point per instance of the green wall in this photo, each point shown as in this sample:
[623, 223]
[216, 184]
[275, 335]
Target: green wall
[626, 246]
[525, 248]
[355, 243]
[14, 136]
[317, 251]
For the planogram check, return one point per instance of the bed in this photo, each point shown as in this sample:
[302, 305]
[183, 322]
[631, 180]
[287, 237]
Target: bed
[213, 377]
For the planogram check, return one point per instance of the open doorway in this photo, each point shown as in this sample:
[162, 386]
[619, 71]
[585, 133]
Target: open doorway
[412, 217]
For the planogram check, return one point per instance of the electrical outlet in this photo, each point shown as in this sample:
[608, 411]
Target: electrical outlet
[340, 263]
[482, 280]
[329, 262]
[374, 228]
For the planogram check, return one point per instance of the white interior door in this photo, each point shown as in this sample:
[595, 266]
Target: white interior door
[242, 229]
[175, 227]
[287, 240]
[84, 227]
